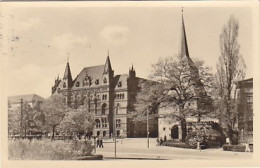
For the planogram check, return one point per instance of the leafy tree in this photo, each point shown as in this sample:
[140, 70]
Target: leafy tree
[25, 118]
[230, 68]
[54, 110]
[78, 121]
[174, 84]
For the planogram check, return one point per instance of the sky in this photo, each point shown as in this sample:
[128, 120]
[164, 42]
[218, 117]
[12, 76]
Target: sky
[43, 37]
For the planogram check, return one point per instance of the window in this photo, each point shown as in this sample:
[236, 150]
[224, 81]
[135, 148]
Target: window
[119, 84]
[97, 121]
[97, 81]
[64, 85]
[118, 123]
[58, 90]
[120, 96]
[103, 110]
[104, 122]
[104, 80]
[164, 128]
[104, 97]
[117, 105]
[77, 84]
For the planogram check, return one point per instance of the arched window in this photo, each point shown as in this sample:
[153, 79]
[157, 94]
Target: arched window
[97, 121]
[123, 95]
[104, 122]
[104, 97]
[104, 80]
[103, 110]
[97, 81]
[77, 84]
[117, 106]
[118, 123]
[64, 85]
[119, 84]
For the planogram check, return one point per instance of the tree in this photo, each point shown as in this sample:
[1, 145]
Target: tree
[25, 117]
[174, 84]
[54, 110]
[78, 121]
[230, 68]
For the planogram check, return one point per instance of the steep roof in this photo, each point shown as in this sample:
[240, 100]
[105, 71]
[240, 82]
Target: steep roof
[108, 66]
[121, 78]
[95, 72]
[26, 98]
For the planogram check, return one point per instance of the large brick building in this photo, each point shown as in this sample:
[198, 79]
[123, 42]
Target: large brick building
[109, 98]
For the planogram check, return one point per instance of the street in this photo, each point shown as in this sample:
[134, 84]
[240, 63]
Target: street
[136, 148]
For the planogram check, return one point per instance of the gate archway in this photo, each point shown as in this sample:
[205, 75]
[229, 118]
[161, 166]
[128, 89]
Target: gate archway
[175, 132]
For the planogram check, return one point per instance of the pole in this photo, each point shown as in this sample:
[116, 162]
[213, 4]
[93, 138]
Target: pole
[21, 122]
[114, 123]
[147, 114]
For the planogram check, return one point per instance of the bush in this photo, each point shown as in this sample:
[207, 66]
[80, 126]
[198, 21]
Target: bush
[236, 148]
[47, 150]
[208, 139]
[176, 144]
[193, 138]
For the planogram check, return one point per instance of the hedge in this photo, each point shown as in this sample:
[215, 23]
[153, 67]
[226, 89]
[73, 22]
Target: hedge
[45, 149]
[236, 148]
[177, 145]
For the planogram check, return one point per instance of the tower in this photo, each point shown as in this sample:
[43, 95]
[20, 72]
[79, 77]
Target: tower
[67, 78]
[204, 102]
[132, 72]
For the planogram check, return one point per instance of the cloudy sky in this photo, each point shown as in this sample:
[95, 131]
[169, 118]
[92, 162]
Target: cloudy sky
[43, 36]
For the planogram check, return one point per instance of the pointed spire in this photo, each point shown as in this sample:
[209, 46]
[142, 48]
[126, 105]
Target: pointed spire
[132, 67]
[184, 44]
[108, 66]
[67, 75]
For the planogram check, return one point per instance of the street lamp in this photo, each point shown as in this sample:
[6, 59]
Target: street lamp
[147, 115]
[114, 126]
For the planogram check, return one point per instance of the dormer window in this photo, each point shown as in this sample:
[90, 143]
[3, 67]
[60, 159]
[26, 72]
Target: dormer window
[119, 84]
[97, 82]
[77, 84]
[64, 85]
[104, 80]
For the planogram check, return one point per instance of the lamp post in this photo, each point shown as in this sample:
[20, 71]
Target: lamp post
[147, 115]
[114, 126]
[21, 122]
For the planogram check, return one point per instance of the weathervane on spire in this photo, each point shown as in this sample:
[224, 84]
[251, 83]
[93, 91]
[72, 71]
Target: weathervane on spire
[107, 52]
[68, 56]
[182, 9]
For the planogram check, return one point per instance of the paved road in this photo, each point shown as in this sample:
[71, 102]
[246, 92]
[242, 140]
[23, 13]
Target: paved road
[136, 148]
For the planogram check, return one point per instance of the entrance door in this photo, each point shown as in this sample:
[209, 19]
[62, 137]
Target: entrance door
[175, 132]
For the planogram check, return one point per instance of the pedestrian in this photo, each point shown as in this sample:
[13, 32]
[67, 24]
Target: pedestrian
[161, 141]
[157, 141]
[101, 142]
[98, 141]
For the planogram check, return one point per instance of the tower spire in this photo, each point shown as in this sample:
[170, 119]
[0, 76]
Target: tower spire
[108, 66]
[184, 44]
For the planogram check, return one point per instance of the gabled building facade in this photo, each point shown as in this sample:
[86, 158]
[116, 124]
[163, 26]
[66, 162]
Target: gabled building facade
[109, 98]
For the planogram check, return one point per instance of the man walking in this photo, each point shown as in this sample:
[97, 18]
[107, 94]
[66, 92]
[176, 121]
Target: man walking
[101, 142]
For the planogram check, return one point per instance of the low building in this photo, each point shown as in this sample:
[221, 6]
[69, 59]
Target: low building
[15, 110]
[244, 101]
